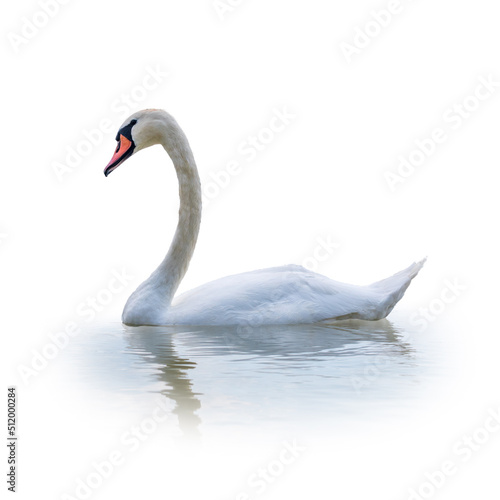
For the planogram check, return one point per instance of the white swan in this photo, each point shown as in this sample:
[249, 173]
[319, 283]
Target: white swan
[279, 295]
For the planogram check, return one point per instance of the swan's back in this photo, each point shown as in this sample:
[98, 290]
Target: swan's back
[286, 295]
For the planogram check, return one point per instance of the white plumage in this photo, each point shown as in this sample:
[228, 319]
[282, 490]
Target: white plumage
[279, 295]
[286, 295]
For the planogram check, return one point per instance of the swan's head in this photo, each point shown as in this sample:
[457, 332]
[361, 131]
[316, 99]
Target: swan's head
[138, 131]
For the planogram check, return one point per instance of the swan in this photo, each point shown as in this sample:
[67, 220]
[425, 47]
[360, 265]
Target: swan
[279, 295]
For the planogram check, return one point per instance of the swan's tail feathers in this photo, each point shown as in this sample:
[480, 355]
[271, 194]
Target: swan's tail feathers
[393, 288]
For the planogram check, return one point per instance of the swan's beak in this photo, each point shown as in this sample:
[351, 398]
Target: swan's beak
[124, 150]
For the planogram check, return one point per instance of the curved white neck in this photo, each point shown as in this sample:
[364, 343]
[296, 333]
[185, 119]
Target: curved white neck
[171, 271]
[175, 264]
[159, 289]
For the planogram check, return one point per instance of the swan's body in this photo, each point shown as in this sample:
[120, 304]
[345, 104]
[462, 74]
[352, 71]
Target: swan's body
[278, 295]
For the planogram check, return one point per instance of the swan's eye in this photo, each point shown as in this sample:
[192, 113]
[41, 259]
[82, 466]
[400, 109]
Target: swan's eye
[126, 131]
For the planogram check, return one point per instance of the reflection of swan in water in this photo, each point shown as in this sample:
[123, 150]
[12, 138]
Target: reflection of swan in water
[156, 348]
[348, 337]
[283, 343]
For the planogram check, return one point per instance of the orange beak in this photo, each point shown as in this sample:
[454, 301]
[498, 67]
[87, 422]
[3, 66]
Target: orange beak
[124, 150]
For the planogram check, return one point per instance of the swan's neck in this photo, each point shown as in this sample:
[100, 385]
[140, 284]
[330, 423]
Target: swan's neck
[150, 302]
[170, 272]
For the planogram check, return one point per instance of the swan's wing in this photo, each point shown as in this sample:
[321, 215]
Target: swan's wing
[284, 295]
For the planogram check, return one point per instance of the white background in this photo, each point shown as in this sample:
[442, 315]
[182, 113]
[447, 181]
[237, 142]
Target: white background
[322, 176]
